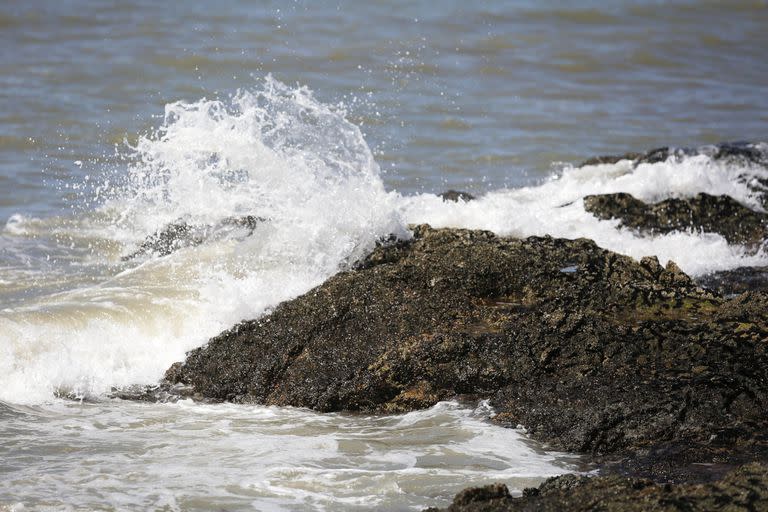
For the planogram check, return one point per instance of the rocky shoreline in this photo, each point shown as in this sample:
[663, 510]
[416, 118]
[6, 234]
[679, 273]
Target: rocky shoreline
[743, 489]
[659, 379]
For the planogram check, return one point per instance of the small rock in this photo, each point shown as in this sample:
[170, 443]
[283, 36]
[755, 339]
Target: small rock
[456, 196]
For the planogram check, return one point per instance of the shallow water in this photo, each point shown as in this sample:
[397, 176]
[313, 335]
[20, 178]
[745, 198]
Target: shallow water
[336, 124]
[116, 455]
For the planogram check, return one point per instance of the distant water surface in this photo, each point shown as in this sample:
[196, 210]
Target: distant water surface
[449, 94]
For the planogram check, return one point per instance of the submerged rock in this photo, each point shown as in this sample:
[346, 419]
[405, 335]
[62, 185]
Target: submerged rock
[744, 489]
[736, 281]
[739, 152]
[744, 154]
[456, 196]
[158, 393]
[180, 234]
[610, 159]
[591, 351]
[714, 214]
[172, 237]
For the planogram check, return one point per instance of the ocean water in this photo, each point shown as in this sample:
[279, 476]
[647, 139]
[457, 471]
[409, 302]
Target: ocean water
[336, 123]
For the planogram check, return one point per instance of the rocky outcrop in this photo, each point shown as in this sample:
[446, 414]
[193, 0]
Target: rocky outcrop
[714, 214]
[659, 378]
[179, 234]
[745, 489]
[656, 377]
[592, 351]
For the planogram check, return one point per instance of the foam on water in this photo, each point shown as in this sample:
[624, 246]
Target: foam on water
[275, 153]
[555, 207]
[265, 458]
[79, 320]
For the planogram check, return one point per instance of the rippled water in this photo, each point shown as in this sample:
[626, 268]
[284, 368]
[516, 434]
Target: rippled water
[223, 457]
[336, 124]
[453, 94]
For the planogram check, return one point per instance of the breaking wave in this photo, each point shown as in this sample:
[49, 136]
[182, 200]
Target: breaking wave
[85, 311]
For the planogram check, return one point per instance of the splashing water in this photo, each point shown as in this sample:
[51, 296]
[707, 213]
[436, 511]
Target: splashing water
[79, 320]
[79, 317]
[555, 207]
[276, 153]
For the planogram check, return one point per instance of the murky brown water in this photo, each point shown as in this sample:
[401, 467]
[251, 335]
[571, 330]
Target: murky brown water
[401, 99]
[453, 94]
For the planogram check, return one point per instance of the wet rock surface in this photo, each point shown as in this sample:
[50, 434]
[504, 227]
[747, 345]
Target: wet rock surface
[180, 234]
[743, 489]
[744, 154]
[592, 351]
[660, 379]
[736, 281]
[703, 212]
[456, 196]
[738, 152]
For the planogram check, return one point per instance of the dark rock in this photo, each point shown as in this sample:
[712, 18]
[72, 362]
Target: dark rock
[733, 282]
[744, 489]
[456, 196]
[610, 159]
[745, 154]
[155, 393]
[179, 234]
[714, 214]
[590, 350]
[673, 462]
[482, 494]
[738, 152]
[167, 240]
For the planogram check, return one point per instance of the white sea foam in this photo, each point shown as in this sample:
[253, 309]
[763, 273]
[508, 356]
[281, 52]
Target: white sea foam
[276, 153]
[556, 208]
[87, 321]
[266, 458]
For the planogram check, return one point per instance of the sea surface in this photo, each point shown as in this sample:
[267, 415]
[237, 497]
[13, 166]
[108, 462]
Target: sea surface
[338, 123]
